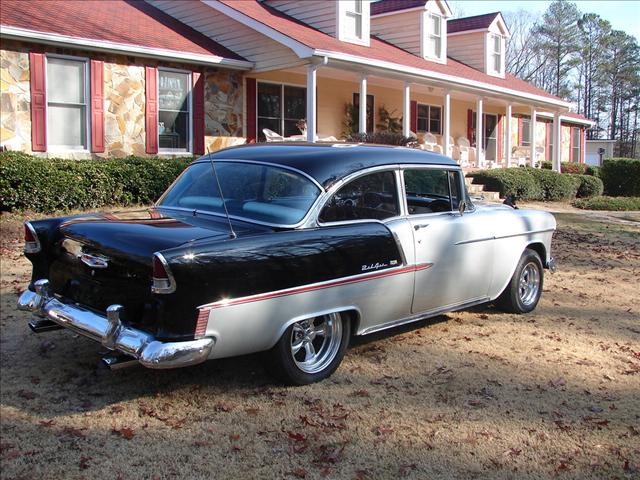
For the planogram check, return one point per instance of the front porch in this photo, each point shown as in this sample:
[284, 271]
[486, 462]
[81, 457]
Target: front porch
[328, 97]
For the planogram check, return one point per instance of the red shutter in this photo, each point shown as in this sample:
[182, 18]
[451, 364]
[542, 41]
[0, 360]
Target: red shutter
[151, 109]
[547, 141]
[198, 113]
[500, 139]
[582, 145]
[414, 116]
[520, 131]
[251, 111]
[97, 106]
[37, 69]
[470, 135]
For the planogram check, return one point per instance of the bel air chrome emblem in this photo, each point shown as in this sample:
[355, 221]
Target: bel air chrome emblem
[94, 261]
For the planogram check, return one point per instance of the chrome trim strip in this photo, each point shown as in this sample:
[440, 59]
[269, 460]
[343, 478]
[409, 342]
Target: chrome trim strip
[316, 286]
[112, 333]
[499, 237]
[423, 315]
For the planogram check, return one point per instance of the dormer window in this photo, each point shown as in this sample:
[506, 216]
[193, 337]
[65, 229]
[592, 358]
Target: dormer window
[496, 53]
[434, 36]
[353, 21]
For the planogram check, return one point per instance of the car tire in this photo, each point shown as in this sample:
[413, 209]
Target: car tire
[310, 350]
[523, 291]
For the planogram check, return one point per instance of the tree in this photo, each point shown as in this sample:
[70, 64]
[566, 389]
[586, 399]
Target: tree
[559, 43]
[522, 59]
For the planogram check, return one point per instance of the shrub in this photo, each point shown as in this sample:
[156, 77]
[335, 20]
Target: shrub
[588, 186]
[567, 167]
[555, 186]
[518, 182]
[381, 138]
[593, 171]
[621, 177]
[608, 203]
[49, 184]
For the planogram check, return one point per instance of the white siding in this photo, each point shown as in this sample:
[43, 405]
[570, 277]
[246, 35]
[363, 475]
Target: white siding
[255, 47]
[320, 14]
[468, 48]
[402, 30]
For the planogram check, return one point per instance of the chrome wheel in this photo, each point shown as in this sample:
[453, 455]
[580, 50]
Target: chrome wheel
[315, 342]
[529, 284]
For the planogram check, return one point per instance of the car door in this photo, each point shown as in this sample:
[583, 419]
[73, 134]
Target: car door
[455, 249]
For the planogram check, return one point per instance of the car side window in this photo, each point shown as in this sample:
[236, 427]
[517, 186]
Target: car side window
[370, 197]
[428, 191]
[454, 184]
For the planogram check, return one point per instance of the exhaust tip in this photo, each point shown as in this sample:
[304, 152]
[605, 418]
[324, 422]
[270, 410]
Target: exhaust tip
[117, 361]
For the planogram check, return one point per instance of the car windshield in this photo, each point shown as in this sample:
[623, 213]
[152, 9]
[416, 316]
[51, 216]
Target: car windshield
[252, 191]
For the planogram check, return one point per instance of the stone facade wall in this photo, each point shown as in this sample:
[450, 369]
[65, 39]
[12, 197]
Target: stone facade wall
[124, 93]
[15, 100]
[124, 114]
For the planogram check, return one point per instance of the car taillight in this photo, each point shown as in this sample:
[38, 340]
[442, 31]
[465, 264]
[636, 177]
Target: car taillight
[163, 281]
[31, 242]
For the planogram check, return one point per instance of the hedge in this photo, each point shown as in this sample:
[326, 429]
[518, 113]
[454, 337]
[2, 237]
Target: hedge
[608, 203]
[50, 184]
[568, 167]
[621, 177]
[538, 184]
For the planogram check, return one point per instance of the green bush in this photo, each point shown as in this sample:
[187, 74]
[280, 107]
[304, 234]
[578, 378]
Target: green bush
[588, 186]
[621, 177]
[567, 167]
[593, 170]
[608, 203]
[49, 184]
[555, 186]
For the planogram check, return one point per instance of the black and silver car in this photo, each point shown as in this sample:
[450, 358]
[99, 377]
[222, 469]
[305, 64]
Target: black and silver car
[289, 249]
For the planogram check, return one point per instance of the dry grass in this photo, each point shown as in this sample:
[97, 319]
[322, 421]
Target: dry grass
[474, 394]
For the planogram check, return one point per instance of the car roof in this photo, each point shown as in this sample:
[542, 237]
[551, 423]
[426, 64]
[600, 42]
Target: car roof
[330, 162]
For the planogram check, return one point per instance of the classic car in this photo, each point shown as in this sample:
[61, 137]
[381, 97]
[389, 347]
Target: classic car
[288, 249]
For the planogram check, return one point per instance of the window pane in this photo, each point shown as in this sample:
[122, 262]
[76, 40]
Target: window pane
[372, 196]
[269, 100]
[65, 80]
[66, 126]
[496, 44]
[497, 62]
[427, 191]
[434, 126]
[422, 124]
[357, 6]
[351, 25]
[173, 129]
[526, 132]
[295, 103]
[270, 123]
[454, 185]
[173, 91]
[435, 113]
[435, 22]
[423, 110]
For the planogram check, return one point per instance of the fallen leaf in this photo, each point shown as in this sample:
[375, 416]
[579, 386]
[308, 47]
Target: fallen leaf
[297, 437]
[84, 462]
[405, 470]
[298, 473]
[26, 394]
[125, 432]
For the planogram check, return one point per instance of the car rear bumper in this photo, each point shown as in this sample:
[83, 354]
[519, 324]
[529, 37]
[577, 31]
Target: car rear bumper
[112, 333]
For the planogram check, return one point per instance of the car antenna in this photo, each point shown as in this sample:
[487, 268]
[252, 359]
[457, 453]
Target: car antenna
[232, 234]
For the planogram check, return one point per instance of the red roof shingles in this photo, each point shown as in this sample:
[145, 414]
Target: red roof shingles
[128, 22]
[385, 6]
[378, 49]
[471, 23]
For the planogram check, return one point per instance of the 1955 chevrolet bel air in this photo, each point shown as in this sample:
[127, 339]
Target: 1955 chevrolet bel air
[285, 248]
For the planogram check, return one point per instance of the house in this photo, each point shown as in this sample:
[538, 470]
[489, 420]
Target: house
[120, 77]
[597, 150]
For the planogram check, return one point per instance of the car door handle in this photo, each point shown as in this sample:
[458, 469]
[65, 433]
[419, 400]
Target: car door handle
[420, 225]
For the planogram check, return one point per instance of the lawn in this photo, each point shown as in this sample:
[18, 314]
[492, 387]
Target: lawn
[473, 394]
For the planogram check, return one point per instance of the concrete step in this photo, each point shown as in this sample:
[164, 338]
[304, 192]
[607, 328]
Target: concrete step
[474, 188]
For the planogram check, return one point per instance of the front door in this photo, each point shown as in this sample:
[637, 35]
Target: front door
[490, 137]
[454, 251]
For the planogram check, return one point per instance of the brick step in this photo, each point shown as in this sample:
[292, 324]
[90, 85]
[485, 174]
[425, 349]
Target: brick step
[475, 188]
[486, 196]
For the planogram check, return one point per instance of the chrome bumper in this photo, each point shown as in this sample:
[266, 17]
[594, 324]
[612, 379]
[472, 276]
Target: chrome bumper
[112, 333]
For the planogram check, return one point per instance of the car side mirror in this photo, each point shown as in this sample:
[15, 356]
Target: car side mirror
[462, 206]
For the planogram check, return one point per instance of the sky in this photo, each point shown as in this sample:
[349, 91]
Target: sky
[622, 14]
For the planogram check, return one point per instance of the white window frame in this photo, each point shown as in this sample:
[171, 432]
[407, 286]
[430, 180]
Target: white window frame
[87, 99]
[496, 54]
[429, 106]
[347, 9]
[189, 148]
[281, 85]
[428, 34]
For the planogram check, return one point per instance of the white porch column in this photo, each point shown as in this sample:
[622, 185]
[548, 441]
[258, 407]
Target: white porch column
[532, 137]
[362, 117]
[557, 142]
[507, 144]
[406, 110]
[479, 134]
[446, 128]
[312, 102]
